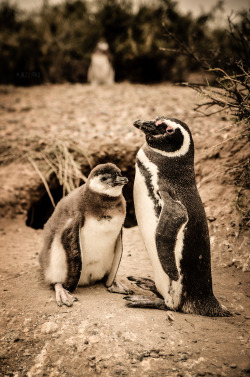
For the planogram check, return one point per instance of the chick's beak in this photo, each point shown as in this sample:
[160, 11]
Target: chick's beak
[121, 181]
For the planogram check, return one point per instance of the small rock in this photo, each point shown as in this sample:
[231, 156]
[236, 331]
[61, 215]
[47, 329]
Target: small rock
[98, 369]
[170, 316]
[3, 354]
[211, 218]
[49, 327]
[94, 339]
[162, 354]
[233, 366]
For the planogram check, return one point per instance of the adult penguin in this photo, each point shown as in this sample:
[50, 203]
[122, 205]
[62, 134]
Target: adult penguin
[172, 221]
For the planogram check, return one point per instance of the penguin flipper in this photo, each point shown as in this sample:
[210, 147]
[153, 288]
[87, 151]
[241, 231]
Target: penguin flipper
[71, 243]
[113, 285]
[167, 232]
[116, 261]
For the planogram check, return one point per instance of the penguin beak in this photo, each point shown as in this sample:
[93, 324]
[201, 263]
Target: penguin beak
[148, 127]
[120, 181]
[154, 128]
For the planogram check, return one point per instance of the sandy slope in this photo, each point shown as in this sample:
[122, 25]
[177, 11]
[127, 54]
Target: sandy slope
[99, 335]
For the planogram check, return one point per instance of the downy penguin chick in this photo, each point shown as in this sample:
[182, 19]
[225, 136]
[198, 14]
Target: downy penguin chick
[172, 221]
[83, 237]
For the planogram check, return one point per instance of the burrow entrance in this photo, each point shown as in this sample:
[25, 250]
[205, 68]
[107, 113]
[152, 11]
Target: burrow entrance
[41, 207]
[122, 154]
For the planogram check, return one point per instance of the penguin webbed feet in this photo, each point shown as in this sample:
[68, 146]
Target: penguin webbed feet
[139, 301]
[146, 284]
[63, 297]
[118, 287]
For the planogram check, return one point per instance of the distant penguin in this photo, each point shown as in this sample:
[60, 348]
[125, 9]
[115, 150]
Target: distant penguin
[82, 239]
[100, 69]
[172, 222]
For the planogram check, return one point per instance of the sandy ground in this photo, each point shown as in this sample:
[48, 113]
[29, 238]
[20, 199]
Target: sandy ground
[99, 335]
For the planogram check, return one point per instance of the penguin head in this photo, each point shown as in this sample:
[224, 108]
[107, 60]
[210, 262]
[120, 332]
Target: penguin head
[107, 179]
[167, 136]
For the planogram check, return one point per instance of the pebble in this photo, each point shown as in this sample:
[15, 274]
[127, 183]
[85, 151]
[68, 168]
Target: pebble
[49, 327]
[170, 316]
[98, 369]
[211, 218]
[140, 357]
[94, 339]
[233, 366]
[162, 354]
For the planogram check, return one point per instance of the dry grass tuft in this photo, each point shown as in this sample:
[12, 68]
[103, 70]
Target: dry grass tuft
[49, 157]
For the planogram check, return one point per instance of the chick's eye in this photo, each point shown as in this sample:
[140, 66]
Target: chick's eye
[104, 179]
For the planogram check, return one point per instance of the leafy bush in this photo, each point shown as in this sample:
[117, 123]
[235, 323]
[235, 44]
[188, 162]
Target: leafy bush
[56, 43]
[230, 92]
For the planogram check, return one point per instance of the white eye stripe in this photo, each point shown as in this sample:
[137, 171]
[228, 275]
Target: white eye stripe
[185, 145]
[168, 123]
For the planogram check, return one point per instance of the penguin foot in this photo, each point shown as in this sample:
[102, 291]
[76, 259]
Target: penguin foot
[118, 287]
[208, 306]
[63, 297]
[146, 284]
[139, 301]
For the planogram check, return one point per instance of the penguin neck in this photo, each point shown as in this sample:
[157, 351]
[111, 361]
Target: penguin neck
[171, 166]
[100, 196]
[98, 205]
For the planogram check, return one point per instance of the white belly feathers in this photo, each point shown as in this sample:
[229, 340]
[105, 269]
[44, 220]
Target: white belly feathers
[148, 221]
[97, 243]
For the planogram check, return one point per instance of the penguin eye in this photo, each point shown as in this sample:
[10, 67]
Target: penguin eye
[105, 178]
